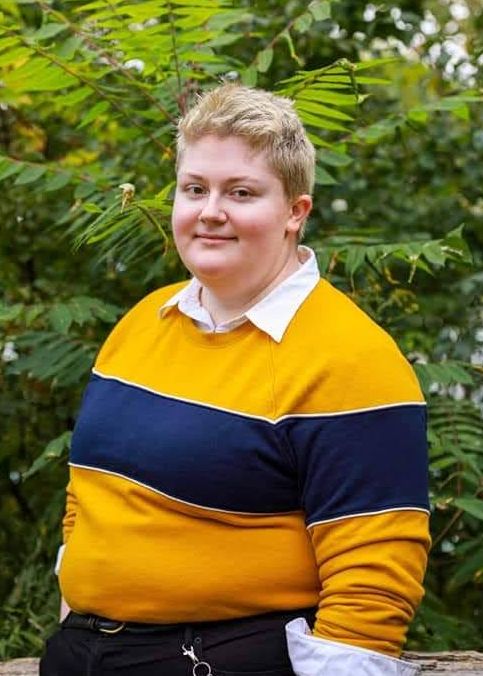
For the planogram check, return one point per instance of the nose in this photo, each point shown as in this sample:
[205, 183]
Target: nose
[212, 210]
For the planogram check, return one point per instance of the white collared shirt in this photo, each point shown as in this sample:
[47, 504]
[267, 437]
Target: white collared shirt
[272, 314]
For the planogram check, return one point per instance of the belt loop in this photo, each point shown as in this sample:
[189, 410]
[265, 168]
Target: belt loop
[198, 646]
[188, 635]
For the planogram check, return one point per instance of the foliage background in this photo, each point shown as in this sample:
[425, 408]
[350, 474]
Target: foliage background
[89, 95]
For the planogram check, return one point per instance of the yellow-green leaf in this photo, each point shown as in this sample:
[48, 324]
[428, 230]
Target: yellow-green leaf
[320, 10]
[320, 109]
[303, 22]
[11, 58]
[93, 113]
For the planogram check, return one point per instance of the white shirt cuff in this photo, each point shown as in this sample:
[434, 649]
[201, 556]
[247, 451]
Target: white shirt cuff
[58, 561]
[314, 656]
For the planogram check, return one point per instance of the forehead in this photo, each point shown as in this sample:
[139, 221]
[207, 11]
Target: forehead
[222, 157]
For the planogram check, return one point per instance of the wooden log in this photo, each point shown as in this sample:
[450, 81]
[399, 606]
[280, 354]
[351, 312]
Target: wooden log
[461, 663]
[464, 663]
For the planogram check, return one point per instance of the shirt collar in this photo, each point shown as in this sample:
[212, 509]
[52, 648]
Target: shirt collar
[273, 313]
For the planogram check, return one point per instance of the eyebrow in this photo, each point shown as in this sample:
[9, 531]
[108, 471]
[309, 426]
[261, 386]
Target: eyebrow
[231, 179]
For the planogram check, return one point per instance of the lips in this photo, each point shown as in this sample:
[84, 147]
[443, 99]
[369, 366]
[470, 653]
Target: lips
[215, 238]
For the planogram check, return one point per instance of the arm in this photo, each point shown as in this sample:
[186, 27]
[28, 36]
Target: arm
[364, 489]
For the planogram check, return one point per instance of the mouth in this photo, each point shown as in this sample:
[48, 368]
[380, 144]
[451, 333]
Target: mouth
[214, 238]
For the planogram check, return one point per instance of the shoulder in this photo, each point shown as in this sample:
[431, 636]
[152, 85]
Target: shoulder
[354, 361]
[140, 318]
[332, 313]
[155, 300]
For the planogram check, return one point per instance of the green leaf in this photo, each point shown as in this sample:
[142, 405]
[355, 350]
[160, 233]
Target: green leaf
[303, 22]
[73, 97]
[94, 113]
[418, 115]
[10, 58]
[249, 76]
[470, 569]
[320, 93]
[68, 48]
[6, 43]
[320, 109]
[433, 253]
[92, 208]
[471, 505]
[320, 10]
[372, 63]
[48, 30]
[355, 258]
[29, 175]
[57, 181]
[60, 318]
[334, 159]
[319, 122]
[9, 313]
[9, 168]
[54, 450]
[264, 60]
[322, 177]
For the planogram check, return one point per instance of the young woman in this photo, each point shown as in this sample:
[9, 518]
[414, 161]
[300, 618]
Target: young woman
[248, 470]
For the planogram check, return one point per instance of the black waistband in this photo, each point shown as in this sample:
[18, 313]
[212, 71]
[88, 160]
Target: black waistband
[106, 626]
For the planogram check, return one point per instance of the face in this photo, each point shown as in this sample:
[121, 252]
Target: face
[232, 222]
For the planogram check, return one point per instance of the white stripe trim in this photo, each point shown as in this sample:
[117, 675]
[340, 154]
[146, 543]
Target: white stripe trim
[184, 502]
[378, 511]
[288, 416]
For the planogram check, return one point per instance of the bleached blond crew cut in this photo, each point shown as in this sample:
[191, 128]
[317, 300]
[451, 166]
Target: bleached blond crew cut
[268, 123]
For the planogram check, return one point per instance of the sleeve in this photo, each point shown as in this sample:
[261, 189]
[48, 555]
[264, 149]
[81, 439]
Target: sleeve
[68, 522]
[363, 477]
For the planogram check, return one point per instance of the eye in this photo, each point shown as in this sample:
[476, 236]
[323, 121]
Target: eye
[194, 190]
[241, 193]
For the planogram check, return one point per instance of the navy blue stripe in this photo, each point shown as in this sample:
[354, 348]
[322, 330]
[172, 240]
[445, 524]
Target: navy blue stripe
[330, 466]
[193, 453]
[363, 462]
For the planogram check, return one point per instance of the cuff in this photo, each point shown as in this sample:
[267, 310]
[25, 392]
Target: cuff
[313, 656]
[58, 561]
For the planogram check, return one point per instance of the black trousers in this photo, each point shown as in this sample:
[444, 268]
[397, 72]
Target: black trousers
[253, 646]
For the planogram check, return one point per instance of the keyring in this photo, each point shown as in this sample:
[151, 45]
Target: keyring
[190, 652]
[200, 672]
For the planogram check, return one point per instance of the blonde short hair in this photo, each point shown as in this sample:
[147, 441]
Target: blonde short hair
[268, 123]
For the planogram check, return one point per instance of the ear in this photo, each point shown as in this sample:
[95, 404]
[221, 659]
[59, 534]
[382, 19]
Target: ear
[299, 212]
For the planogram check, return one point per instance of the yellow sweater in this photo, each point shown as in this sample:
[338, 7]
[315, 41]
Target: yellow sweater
[217, 476]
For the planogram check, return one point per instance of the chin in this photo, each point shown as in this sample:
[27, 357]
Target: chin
[209, 267]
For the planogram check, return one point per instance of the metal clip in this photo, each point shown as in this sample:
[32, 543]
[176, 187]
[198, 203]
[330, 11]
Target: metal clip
[198, 666]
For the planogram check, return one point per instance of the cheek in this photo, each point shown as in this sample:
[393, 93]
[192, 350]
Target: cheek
[181, 217]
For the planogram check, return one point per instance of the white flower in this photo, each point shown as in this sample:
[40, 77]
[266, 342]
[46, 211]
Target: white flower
[135, 64]
[339, 205]
[9, 353]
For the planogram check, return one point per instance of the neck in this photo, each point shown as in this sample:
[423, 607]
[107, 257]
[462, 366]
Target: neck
[223, 302]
